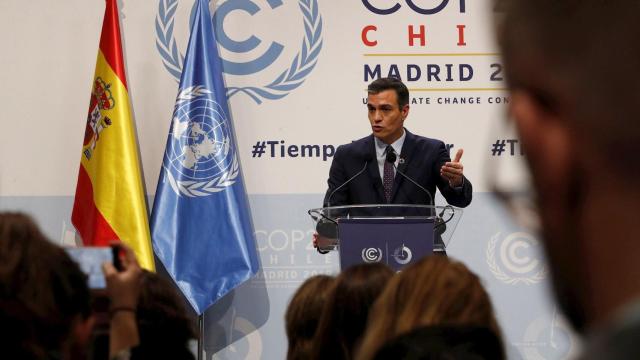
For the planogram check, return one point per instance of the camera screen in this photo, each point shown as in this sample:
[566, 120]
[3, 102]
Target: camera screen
[90, 260]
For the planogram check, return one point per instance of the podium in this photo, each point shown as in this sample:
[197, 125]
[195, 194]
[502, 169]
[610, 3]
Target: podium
[395, 234]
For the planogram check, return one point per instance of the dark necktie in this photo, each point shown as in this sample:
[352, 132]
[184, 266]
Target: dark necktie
[387, 181]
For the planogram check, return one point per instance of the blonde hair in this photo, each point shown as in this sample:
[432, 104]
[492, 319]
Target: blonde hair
[434, 291]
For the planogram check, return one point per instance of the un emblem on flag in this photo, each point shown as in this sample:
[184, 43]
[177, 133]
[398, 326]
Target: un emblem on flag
[200, 158]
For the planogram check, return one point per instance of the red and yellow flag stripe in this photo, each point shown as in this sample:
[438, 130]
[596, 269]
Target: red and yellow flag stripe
[110, 203]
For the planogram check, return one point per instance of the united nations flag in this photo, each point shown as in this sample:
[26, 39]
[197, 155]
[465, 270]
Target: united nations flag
[201, 225]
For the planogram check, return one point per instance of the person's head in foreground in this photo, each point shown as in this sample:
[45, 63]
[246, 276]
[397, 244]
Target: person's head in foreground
[164, 327]
[435, 291]
[344, 315]
[443, 343]
[572, 70]
[44, 298]
[303, 314]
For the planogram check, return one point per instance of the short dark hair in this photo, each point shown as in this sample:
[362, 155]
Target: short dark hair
[589, 72]
[444, 342]
[390, 83]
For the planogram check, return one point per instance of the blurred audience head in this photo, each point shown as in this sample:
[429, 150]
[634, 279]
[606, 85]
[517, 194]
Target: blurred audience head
[164, 327]
[572, 70]
[444, 343]
[303, 314]
[435, 291]
[42, 291]
[345, 313]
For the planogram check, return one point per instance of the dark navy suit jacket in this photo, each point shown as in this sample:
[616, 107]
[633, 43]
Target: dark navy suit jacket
[423, 158]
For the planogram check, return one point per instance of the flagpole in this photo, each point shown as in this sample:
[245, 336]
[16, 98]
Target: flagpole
[200, 335]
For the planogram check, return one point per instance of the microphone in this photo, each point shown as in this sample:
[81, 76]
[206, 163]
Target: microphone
[328, 227]
[439, 226]
[391, 158]
[367, 159]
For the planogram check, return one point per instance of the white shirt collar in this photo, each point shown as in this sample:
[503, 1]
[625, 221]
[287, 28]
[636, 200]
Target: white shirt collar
[381, 147]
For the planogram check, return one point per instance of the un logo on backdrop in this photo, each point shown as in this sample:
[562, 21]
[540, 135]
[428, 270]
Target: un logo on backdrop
[289, 78]
[200, 158]
[512, 259]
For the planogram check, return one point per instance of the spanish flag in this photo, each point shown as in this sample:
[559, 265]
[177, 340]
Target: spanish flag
[110, 203]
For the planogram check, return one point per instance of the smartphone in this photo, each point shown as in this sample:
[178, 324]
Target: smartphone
[90, 260]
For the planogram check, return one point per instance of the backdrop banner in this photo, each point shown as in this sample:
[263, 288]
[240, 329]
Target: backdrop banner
[296, 73]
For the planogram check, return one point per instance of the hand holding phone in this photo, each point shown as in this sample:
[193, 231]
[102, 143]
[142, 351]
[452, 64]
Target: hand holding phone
[123, 290]
[123, 286]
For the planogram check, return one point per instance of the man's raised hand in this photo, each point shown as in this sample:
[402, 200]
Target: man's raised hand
[453, 171]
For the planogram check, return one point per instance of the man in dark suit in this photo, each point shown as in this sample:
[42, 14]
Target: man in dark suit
[424, 160]
[361, 173]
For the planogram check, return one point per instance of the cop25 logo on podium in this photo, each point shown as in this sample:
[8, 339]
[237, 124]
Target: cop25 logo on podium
[288, 79]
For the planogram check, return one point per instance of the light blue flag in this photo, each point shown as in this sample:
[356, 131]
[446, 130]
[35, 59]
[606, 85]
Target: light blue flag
[201, 224]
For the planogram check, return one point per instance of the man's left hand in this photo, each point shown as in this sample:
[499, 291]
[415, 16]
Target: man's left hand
[453, 171]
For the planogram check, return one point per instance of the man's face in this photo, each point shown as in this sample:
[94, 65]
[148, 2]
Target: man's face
[385, 116]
